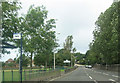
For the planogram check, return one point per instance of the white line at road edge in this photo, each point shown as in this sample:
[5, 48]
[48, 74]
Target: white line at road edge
[115, 76]
[105, 74]
[62, 75]
[95, 81]
[112, 80]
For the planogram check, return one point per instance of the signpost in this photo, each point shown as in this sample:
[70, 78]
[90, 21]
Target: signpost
[16, 36]
[19, 36]
[66, 61]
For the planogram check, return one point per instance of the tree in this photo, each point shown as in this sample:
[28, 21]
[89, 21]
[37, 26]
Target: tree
[103, 49]
[11, 64]
[10, 20]
[25, 60]
[67, 50]
[38, 34]
[68, 43]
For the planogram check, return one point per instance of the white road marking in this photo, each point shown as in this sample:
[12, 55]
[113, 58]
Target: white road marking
[90, 77]
[105, 74]
[112, 80]
[95, 81]
[115, 76]
[63, 75]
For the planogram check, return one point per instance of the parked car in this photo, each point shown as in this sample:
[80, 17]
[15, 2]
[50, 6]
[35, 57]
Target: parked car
[88, 66]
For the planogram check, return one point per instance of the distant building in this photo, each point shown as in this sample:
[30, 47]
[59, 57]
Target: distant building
[10, 61]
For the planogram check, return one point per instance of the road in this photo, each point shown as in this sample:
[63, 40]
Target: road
[90, 75]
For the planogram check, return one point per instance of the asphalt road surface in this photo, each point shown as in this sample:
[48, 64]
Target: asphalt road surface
[90, 75]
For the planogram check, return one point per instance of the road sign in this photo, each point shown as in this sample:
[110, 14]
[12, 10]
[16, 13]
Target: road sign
[16, 36]
[66, 61]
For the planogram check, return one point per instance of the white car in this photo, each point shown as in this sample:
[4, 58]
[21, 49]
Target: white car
[88, 66]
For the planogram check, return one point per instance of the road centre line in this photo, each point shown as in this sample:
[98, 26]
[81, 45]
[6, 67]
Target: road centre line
[90, 77]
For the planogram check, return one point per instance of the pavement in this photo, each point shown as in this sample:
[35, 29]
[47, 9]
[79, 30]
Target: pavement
[82, 74]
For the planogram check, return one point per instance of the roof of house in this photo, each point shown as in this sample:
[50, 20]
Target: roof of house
[10, 60]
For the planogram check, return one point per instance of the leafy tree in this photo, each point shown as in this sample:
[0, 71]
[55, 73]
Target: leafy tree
[3, 64]
[38, 37]
[66, 52]
[25, 60]
[11, 64]
[10, 20]
[39, 60]
[103, 49]
[68, 43]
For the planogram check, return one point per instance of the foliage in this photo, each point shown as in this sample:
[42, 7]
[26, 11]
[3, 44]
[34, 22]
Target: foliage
[10, 64]
[39, 38]
[103, 49]
[10, 20]
[25, 60]
[66, 52]
[3, 64]
[38, 35]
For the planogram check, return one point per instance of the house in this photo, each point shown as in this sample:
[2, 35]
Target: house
[10, 61]
[14, 64]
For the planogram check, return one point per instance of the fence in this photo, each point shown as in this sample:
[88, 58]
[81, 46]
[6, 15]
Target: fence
[29, 75]
[114, 67]
[33, 75]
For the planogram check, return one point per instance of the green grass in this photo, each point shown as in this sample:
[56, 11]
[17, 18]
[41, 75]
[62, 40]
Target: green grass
[8, 76]
[16, 74]
[28, 74]
[62, 70]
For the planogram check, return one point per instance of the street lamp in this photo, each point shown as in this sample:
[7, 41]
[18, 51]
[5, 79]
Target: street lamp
[54, 58]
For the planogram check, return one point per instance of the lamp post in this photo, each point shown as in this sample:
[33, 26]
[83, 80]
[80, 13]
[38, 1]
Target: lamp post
[54, 57]
[54, 60]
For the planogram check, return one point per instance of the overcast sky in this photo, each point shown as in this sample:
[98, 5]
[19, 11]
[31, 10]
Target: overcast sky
[74, 17]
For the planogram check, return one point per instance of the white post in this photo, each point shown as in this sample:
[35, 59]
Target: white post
[71, 60]
[54, 61]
